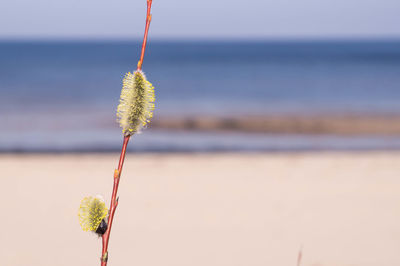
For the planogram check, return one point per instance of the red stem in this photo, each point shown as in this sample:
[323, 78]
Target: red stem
[146, 31]
[113, 203]
[117, 172]
[299, 256]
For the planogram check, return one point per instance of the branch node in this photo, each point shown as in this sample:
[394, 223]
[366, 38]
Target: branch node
[116, 202]
[116, 174]
[104, 258]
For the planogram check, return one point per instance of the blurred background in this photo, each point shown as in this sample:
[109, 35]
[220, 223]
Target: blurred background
[275, 138]
[270, 75]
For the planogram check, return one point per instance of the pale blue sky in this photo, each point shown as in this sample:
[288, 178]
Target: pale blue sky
[259, 19]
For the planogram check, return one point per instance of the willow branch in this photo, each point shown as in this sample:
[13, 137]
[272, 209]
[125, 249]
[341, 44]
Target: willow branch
[113, 203]
[146, 31]
[117, 172]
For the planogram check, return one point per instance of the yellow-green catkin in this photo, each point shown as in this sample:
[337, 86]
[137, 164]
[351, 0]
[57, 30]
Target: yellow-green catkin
[136, 104]
[91, 212]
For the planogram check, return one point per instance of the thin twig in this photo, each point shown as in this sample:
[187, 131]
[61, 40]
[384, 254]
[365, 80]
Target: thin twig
[113, 203]
[300, 256]
[146, 31]
[117, 172]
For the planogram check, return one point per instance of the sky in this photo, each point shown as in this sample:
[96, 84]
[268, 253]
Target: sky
[200, 19]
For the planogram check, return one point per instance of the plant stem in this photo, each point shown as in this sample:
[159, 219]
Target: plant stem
[117, 172]
[113, 203]
[146, 31]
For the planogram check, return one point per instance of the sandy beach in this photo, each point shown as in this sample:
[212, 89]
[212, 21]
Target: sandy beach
[206, 209]
[325, 123]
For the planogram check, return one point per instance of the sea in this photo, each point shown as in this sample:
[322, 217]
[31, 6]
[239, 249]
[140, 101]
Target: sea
[61, 96]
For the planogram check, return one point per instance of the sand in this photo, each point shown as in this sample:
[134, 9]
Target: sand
[325, 123]
[206, 209]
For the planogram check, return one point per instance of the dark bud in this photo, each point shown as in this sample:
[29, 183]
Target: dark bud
[102, 228]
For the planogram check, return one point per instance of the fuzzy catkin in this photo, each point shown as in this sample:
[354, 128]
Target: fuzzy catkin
[136, 103]
[91, 212]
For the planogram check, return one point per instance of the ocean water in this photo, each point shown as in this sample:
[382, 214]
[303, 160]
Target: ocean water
[62, 96]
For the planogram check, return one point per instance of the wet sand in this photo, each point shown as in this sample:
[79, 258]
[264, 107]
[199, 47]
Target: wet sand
[339, 124]
[206, 209]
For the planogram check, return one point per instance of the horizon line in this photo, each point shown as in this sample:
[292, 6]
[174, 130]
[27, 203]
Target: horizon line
[202, 40]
